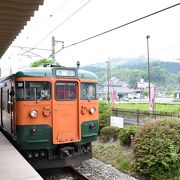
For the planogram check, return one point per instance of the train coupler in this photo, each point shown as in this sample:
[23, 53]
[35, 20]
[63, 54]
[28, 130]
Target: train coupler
[66, 152]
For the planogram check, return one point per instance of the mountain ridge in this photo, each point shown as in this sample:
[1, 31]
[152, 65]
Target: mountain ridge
[134, 63]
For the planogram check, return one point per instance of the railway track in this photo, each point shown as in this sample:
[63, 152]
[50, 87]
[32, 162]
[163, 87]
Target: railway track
[67, 173]
[78, 174]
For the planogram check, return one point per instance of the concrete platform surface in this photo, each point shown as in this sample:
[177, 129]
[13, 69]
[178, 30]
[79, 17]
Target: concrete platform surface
[12, 165]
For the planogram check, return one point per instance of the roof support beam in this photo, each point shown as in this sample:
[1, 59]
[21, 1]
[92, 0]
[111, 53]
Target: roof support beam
[14, 15]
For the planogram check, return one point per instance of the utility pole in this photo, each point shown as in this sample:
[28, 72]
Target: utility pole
[53, 50]
[151, 89]
[148, 67]
[108, 80]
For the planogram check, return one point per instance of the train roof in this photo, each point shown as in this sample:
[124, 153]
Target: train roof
[50, 72]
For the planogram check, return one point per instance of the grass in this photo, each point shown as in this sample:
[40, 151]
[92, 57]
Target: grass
[123, 163]
[170, 108]
[115, 154]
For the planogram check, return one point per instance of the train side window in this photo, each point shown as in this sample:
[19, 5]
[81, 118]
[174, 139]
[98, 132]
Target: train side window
[5, 100]
[19, 90]
[88, 91]
[65, 91]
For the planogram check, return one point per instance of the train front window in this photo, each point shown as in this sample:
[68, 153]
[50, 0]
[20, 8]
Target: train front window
[65, 91]
[33, 90]
[88, 91]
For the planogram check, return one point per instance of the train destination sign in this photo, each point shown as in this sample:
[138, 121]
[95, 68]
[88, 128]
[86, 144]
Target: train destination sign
[65, 72]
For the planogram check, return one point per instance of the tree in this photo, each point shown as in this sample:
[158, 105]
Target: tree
[135, 76]
[104, 113]
[41, 62]
[178, 78]
[170, 88]
[159, 75]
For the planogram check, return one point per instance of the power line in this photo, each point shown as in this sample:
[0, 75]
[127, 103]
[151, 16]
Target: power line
[51, 15]
[22, 47]
[61, 23]
[64, 21]
[36, 55]
[118, 27]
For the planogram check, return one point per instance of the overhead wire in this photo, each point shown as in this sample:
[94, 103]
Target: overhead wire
[64, 21]
[118, 27]
[61, 23]
[37, 55]
[31, 48]
[46, 20]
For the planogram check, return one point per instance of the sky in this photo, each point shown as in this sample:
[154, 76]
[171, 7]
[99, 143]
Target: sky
[71, 21]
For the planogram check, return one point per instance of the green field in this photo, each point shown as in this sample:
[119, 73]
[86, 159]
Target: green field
[159, 107]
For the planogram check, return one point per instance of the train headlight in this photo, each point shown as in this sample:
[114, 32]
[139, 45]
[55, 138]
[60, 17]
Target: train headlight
[33, 113]
[92, 110]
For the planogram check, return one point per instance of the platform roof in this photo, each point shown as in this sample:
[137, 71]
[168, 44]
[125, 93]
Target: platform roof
[14, 15]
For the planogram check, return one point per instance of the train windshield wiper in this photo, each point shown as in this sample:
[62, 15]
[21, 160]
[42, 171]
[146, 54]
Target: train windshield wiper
[89, 99]
[44, 93]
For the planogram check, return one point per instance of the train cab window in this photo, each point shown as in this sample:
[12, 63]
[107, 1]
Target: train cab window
[33, 90]
[88, 91]
[65, 91]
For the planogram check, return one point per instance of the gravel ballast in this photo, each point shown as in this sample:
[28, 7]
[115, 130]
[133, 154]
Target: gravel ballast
[98, 170]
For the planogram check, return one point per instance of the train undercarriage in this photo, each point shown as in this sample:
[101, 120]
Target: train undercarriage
[61, 156]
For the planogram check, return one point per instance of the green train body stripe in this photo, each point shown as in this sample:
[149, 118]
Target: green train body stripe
[40, 140]
[43, 138]
[89, 134]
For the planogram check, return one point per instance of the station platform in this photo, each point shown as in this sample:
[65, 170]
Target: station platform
[12, 164]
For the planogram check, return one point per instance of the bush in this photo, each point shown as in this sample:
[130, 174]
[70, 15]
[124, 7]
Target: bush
[126, 134]
[104, 113]
[156, 149]
[109, 133]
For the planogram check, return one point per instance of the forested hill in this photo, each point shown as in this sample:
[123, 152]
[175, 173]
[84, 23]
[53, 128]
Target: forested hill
[134, 63]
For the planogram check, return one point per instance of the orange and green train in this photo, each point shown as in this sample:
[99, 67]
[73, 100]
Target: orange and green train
[52, 113]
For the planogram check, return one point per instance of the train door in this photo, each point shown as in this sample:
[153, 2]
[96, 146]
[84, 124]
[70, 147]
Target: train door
[1, 107]
[65, 112]
[11, 104]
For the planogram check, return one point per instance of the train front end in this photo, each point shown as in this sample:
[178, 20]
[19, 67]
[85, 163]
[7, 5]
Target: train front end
[56, 115]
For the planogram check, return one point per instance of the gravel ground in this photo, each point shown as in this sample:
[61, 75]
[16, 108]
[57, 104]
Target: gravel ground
[97, 170]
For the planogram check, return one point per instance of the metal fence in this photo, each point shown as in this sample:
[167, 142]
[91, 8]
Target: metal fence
[136, 117]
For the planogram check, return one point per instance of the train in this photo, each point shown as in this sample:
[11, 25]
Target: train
[51, 113]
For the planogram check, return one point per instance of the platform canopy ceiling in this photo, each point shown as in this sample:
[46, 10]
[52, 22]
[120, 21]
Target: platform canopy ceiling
[14, 15]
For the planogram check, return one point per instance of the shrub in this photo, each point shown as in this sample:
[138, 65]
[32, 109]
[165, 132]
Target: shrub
[126, 133]
[156, 148]
[104, 113]
[109, 133]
